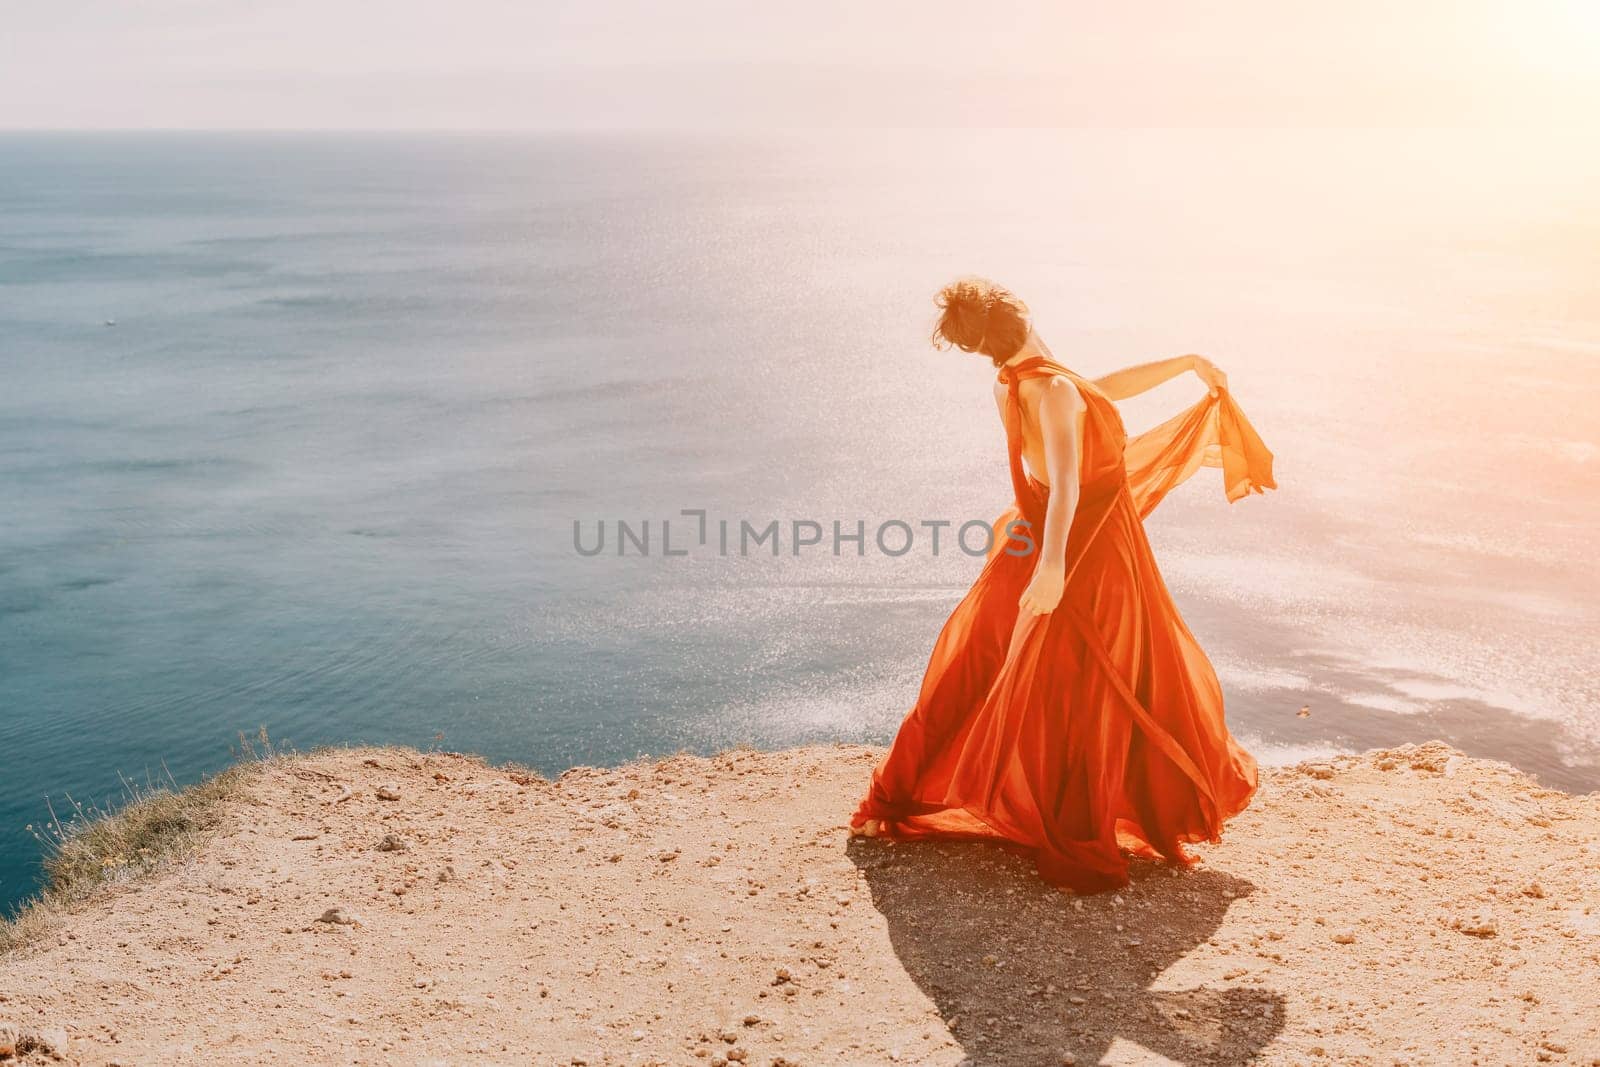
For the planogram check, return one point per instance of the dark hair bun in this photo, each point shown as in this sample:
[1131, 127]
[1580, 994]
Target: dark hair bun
[976, 315]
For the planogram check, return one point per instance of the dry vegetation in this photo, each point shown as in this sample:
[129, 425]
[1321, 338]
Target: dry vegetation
[155, 824]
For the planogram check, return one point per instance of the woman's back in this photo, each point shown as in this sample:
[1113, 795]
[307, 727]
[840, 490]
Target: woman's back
[1099, 431]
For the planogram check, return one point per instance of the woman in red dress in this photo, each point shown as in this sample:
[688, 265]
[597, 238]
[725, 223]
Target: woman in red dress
[1067, 710]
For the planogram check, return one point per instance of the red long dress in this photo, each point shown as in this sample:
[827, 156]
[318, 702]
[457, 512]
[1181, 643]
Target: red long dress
[1095, 731]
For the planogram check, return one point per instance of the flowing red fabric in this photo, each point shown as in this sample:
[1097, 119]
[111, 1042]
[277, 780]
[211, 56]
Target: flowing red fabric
[1096, 731]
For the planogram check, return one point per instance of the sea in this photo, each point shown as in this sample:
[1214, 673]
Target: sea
[475, 441]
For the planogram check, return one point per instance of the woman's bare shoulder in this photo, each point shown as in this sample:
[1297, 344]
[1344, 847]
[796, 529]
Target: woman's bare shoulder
[1058, 391]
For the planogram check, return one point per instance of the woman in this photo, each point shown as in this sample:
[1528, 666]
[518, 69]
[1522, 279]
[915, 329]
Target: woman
[1067, 709]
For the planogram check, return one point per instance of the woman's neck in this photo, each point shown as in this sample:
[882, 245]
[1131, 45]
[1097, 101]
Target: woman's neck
[1032, 347]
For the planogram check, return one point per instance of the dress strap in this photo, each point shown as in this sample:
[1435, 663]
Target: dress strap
[1029, 500]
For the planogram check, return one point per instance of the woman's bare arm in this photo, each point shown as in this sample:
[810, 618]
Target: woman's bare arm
[1131, 381]
[1059, 408]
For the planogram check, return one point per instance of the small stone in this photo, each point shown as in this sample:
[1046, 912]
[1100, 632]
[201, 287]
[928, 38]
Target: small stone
[1478, 924]
[1323, 771]
[1533, 889]
[50, 1040]
[393, 843]
[1345, 937]
[737, 1055]
[9, 1039]
[338, 917]
[1076, 1000]
[1068, 1059]
[751, 1020]
[388, 791]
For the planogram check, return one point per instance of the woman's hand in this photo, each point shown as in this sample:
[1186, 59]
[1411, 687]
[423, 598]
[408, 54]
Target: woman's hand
[1208, 372]
[1044, 591]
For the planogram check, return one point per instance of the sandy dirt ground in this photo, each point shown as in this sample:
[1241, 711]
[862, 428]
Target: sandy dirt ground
[386, 906]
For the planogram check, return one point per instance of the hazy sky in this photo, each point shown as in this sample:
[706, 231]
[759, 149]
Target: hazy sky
[495, 64]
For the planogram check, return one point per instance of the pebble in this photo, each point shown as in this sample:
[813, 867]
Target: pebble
[54, 1039]
[338, 917]
[393, 843]
[50, 1040]
[1478, 924]
[388, 791]
[1345, 937]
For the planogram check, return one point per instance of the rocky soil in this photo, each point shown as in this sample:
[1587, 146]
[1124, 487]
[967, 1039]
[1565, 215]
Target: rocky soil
[388, 906]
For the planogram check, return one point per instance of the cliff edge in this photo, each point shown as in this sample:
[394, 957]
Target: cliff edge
[380, 906]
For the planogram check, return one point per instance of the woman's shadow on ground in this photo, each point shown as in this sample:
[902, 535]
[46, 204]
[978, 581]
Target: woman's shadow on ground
[1022, 975]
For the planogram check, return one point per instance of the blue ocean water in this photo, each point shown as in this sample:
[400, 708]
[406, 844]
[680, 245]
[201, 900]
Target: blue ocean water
[295, 429]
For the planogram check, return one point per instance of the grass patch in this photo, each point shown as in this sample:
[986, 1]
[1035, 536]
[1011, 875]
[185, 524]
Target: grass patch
[149, 827]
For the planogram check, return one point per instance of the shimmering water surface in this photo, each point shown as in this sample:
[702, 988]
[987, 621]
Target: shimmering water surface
[294, 431]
